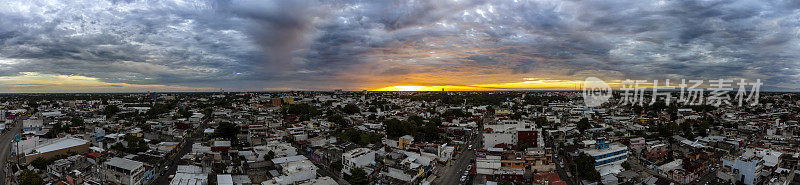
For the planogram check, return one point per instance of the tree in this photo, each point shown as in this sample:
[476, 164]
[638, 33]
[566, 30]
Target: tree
[358, 177]
[626, 165]
[227, 130]
[394, 128]
[339, 121]
[703, 129]
[135, 144]
[76, 121]
[584, 124]
[30, 177]
[351, 109]
[110, 110]
[270, 155]
[686, 128]
[337, 166]
[40, 163]
[362, 138]
[183, 113]
[585, 167]
[523, 145]
[300, 109]
[158, 109]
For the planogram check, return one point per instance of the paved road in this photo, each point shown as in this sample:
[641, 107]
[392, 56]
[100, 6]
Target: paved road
[562, 172]
[452, 174]
[5, 148]
[174, 161]
[325, 171]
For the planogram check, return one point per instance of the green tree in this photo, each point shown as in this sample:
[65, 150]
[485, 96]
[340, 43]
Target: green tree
[362, 138]
[394, 128]
[523, 145]
[135, 144]
[351, 109]
[337, 166]
[158, 109]
[626, 165]
[339, 121]
[686, 128]
[110, 110]
[585, 167]
[358, 177]
[40, 163]
[584, 124]
[76, 121]
[270, 155]
[703, 129]
[227, 130]
[30, 177]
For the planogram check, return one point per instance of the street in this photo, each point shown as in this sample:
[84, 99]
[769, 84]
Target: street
[453, 172]
[5, 148]
[163, 178]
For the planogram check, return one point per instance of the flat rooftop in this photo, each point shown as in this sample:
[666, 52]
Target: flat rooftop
[60, 144]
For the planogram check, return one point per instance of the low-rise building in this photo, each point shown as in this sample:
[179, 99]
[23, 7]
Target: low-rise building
[608, 157]
[357, 158]
[123, 171]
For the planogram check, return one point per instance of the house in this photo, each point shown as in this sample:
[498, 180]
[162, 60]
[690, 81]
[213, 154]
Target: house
[750, 167]
[357, 158]
[608, 157]
[294, 172]
[189, 175]
[32, 125]
[404, 142]
[124, 171]
[637, 144]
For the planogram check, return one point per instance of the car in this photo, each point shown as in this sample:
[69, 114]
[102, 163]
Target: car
[463, 178]
[470, 147]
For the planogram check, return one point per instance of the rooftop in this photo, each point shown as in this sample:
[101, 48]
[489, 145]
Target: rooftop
[124, 163]
[60, 144]
[612, 147]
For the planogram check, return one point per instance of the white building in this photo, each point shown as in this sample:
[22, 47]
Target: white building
[189, 175]
[608, 157]
[357, 158]
[507, 132]
[750, 164]
[492, 139]
[321, 181]
[295, 172]
[32, 125]
[124, 171]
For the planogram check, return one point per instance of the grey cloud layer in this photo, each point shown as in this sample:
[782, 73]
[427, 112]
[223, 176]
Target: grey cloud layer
[340, 44]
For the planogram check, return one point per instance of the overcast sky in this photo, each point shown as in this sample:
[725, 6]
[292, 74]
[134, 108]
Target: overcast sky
[76, 46]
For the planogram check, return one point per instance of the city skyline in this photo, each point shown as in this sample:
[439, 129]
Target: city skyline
[458, 45]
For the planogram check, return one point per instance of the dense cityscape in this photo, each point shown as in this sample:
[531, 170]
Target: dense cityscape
[350, 137]
[399, 92]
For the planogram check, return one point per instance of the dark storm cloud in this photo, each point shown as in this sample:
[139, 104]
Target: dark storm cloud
[311, 44]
